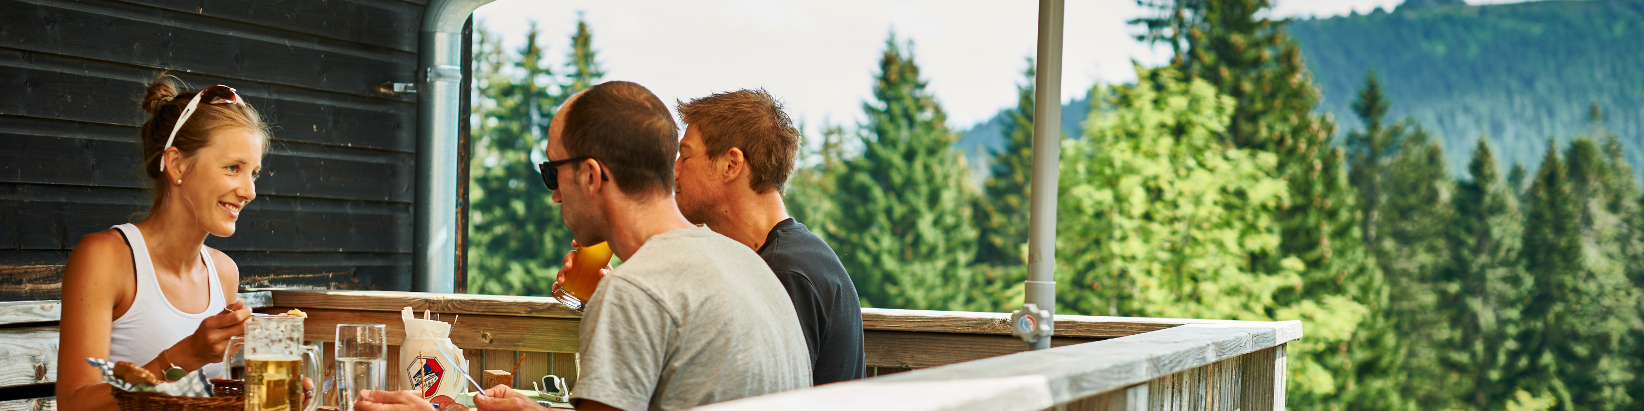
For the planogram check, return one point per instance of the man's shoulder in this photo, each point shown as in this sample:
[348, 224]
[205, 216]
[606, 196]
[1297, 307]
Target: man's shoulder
[797, 250]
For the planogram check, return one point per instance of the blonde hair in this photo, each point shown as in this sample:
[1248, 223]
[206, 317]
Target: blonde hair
[165, 102]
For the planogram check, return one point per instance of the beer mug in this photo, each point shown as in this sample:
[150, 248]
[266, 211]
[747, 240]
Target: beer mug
[274, 364]
[583, 277]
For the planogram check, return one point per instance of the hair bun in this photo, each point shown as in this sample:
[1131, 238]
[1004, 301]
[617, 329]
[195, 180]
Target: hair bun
[159, 93]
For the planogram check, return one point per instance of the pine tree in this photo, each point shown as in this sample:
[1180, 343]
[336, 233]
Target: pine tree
[1234, 46]
[1484, 285]
[1411, 253]
[1583, 311]
[1515, 180]
[905, 233]
[1404, 190]
[812, 190]
[516, 236]
[1002, 211]
[582, 68]
[1371, 152]
[1595, 365]
[1552, 257]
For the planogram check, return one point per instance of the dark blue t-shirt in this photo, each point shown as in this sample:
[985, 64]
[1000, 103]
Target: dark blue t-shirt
[823, 296]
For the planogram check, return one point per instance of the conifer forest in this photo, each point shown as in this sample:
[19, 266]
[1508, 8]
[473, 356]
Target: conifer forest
[1485, 258]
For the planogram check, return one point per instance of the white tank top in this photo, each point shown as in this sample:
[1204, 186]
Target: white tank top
[153, 324]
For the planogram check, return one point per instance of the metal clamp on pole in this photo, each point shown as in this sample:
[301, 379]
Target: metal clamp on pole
[1031, 324]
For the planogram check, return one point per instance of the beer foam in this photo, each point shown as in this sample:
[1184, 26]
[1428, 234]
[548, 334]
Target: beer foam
[272, 358]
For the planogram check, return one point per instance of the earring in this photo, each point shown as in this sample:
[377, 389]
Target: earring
[179, 181]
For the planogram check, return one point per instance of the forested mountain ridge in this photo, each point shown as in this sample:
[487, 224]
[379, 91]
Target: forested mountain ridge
[1521, 73]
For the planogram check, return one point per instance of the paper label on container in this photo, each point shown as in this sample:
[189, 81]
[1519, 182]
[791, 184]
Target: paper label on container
[426, 374]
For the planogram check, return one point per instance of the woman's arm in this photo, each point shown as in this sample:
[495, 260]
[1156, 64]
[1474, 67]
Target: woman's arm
[92, 287]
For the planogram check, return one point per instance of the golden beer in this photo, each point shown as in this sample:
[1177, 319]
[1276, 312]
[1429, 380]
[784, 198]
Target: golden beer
[273, 384]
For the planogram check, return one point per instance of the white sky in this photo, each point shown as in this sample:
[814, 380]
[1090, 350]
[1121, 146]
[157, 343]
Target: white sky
[820, 56]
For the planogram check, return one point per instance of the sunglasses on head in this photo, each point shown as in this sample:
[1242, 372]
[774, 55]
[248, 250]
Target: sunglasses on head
[550, 171]
[214, 95]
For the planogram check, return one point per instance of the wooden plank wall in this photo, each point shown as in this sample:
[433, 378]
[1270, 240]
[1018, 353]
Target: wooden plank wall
[334, 203]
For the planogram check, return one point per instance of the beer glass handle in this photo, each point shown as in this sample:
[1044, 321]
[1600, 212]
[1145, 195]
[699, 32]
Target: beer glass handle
[235, 344]
[313, 371]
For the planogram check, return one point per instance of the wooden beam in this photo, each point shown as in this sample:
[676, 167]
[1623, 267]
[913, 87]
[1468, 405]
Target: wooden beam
[470, 332]
[22, 312]
[393, 301]
[1077, 326]
[922, 350]
[51, 311]
[1084, 370]
[1023, 393]
[1263, 380]
[28, 355]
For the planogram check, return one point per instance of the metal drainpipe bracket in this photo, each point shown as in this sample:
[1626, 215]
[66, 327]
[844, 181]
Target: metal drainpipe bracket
[443, 73]
[1031, 323]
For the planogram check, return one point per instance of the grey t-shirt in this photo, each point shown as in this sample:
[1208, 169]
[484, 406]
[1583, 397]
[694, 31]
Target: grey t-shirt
[691, 318]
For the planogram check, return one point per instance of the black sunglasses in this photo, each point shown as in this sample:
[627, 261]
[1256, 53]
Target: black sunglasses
[550, 171]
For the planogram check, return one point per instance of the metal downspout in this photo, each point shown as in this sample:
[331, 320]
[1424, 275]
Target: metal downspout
[439, 93]
[1047, 132]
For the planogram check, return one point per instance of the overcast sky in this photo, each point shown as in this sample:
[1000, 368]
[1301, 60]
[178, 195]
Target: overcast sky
[820, 56]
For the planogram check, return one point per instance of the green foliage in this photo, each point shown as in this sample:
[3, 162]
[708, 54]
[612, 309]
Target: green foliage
[1483, 289]
[582, 69]
[812, 189]
[1159, 218]
[1002, 211]
[1583, 310]
[1404, 193]
[516, 236]
[906, 234]
[1249, 57]
[1520, 73]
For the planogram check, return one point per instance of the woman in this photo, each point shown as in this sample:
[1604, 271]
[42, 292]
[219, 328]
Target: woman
[152, 293]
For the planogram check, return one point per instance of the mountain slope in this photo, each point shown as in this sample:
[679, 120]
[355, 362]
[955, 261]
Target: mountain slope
[1522, 73]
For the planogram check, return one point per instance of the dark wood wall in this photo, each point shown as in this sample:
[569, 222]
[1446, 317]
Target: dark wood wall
[334, 203]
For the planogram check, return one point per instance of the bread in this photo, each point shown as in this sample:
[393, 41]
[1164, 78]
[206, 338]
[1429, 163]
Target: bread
[297, 313]
[135, 374]
[445, 403]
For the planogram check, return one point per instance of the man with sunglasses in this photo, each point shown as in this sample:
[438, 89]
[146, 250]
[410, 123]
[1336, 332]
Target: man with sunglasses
[690, 317]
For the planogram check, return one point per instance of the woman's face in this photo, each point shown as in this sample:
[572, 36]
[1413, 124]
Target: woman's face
[222, 179]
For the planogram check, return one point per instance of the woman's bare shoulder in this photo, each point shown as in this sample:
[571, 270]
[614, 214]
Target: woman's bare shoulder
[226, 268]
[104, 252]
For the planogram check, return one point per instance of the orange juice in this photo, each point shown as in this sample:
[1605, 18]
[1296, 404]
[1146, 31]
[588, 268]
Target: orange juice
[583, 277]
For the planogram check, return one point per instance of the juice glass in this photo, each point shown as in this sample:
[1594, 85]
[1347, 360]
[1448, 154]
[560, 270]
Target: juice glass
[583, 277]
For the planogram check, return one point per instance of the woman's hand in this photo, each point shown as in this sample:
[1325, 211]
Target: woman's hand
[408, 400]
[209, 341]
[502, 398]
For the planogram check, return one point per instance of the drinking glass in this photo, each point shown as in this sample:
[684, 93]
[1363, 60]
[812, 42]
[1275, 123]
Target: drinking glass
[362, 358]
[583, 277]
[274, 364]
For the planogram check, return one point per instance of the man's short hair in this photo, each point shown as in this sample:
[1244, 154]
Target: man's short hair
[753, 121]
[629, 130]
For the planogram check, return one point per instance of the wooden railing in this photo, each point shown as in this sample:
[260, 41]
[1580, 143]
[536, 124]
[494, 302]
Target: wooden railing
[28, 350]
[959, 360]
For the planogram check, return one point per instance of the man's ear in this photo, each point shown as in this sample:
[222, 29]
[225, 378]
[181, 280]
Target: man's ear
[588, 176]
[732, 164]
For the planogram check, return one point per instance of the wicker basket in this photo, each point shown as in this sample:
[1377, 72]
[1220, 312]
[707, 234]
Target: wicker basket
[227, 395]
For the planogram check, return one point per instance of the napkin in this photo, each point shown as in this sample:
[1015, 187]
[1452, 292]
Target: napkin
[426, 371]
[195, 384]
